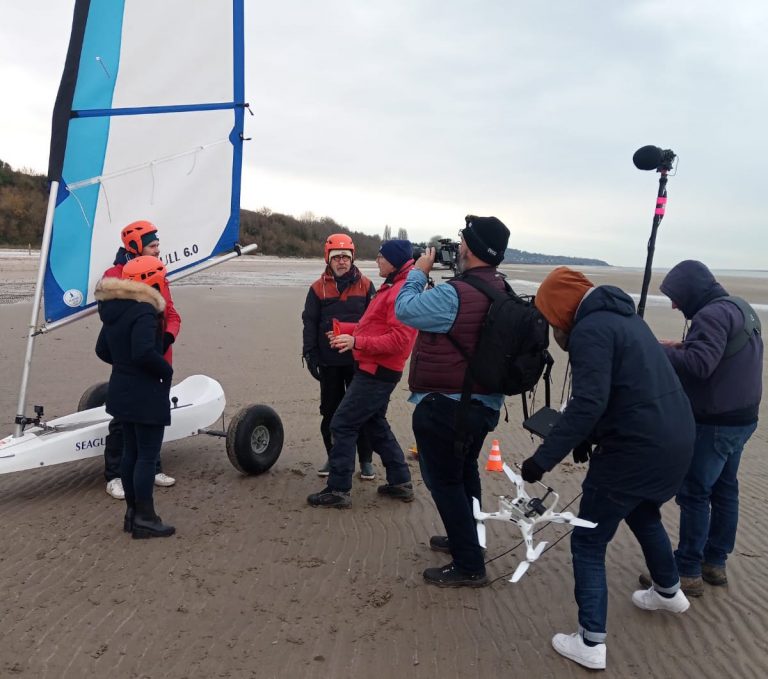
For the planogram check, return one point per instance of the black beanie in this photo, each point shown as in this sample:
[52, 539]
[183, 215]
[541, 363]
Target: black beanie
[396, 252]
[487, 238]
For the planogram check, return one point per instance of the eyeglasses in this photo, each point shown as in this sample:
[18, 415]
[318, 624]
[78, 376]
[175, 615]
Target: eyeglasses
[339, 258]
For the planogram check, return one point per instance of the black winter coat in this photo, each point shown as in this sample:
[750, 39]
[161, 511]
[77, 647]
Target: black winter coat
[131, 340]
[626, 399]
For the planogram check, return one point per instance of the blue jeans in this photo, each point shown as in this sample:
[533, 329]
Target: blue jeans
[709, 498]
[364, 406]
[453, 479]
[140, 453]
[608, 508]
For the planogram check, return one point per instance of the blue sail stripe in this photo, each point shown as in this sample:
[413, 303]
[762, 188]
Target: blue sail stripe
[152, 110]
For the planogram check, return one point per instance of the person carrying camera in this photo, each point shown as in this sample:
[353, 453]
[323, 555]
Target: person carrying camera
[436, 380]
[627, 399]
[343, 294]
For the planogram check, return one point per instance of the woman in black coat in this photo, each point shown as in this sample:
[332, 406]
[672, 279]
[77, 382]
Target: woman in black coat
[131, 340]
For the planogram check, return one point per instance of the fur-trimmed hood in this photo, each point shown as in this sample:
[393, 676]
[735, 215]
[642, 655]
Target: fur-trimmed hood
[116, 288]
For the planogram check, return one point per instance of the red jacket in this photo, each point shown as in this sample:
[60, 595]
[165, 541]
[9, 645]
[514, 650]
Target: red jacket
[171, 318]
[380, 339]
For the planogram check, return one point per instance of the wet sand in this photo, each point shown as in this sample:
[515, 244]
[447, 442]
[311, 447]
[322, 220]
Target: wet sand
[258, 584]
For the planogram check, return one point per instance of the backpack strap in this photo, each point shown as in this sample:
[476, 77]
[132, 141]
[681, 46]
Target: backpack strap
[751, 325]
[466, 390]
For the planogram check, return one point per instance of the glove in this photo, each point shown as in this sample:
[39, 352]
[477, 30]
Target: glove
[168, 339]
[530, 471]
[312, 366]
[582, 452]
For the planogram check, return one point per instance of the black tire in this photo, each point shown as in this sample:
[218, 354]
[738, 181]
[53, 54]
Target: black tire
[93, 397]
[254, 439]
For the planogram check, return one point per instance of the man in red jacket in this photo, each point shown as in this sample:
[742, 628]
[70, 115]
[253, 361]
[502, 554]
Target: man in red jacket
[380, 345]
[139, 238]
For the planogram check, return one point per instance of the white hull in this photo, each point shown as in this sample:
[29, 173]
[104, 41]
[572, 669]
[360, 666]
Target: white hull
[82, 435]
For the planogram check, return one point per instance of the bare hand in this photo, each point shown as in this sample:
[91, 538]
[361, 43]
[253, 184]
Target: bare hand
[426, 261]
[343, 343]
[675, 344]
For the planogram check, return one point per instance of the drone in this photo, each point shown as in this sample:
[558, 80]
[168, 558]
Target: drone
[526, 512]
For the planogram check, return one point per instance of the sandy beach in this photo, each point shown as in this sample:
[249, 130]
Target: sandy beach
[258, 584]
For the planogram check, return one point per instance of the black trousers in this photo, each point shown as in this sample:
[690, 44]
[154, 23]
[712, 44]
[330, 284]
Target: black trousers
[113, 451]
[334, 382]
[452, 478]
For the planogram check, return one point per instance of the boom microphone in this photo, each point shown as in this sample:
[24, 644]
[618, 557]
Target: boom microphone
[653, 158]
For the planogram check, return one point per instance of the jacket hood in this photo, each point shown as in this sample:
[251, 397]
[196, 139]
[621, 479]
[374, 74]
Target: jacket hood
[691, 285]
[109, 289]
[122, 257]
[606, 298]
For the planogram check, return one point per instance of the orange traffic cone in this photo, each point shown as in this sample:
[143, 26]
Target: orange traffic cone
[494, 458]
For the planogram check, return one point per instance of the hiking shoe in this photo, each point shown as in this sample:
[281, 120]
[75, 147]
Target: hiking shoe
[650, 600]
[330, 498]
[572, 646]
[439, 543]
[692, 587]
[713, 575]
[367, 471]
[450, 576]
[325, 470]
[164, 480]
[115, 489]
[398, 491]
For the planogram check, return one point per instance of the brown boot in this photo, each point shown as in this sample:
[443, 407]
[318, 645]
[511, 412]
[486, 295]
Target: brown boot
[693, 587]
[713, 575]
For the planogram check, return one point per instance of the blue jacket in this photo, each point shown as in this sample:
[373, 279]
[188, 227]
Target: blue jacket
[131, 341]
[626, 399]
[725, 391]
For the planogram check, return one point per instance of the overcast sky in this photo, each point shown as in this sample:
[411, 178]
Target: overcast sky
[413, 113]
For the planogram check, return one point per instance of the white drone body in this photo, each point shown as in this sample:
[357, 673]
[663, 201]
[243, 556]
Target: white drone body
[525, 512]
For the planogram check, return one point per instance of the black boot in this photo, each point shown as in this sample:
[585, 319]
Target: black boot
[128, 520]
[147, 524]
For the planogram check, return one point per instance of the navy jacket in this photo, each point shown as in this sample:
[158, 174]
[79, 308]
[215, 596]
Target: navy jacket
[725, 391]
[626, 399]
[131, 340]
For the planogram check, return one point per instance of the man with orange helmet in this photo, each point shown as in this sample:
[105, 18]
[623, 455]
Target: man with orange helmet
[131, 341]
[139, 239]
[342, 293]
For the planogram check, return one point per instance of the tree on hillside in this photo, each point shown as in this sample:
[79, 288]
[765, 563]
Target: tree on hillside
[387, 233]
[402, 233]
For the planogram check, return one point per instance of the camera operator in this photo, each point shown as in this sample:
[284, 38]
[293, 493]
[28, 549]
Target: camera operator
[436, 380]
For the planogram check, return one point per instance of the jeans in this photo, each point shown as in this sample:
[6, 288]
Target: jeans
[709, 497]
[142, 448]
[364, 406]
[113, 451]
[453, 479]
[334, 382]
[607, 508]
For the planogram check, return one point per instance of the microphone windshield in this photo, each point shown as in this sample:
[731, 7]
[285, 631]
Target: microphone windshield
[647, 158]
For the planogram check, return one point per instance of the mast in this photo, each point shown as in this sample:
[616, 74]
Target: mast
[21, 420]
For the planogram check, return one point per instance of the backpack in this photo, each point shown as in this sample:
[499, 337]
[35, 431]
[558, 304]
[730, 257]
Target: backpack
[751, 325]
[511, 352]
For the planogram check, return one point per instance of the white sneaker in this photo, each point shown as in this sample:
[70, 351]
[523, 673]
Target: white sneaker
[651, 600]
[164, 480]
[572, 646]
[115, 489]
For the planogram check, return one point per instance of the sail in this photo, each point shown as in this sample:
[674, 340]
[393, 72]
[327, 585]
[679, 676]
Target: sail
[147, 125]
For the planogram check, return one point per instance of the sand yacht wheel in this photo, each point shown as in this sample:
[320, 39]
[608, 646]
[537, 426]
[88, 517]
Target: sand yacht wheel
[254, 437]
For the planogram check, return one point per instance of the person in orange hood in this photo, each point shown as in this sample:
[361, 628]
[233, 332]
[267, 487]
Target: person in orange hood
[628, 401]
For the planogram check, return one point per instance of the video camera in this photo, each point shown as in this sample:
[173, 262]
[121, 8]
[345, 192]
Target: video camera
[446, 253]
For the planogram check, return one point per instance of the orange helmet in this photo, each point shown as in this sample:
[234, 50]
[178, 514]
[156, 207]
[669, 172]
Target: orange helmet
[338, 241]
[146, 269]
[134, 236]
